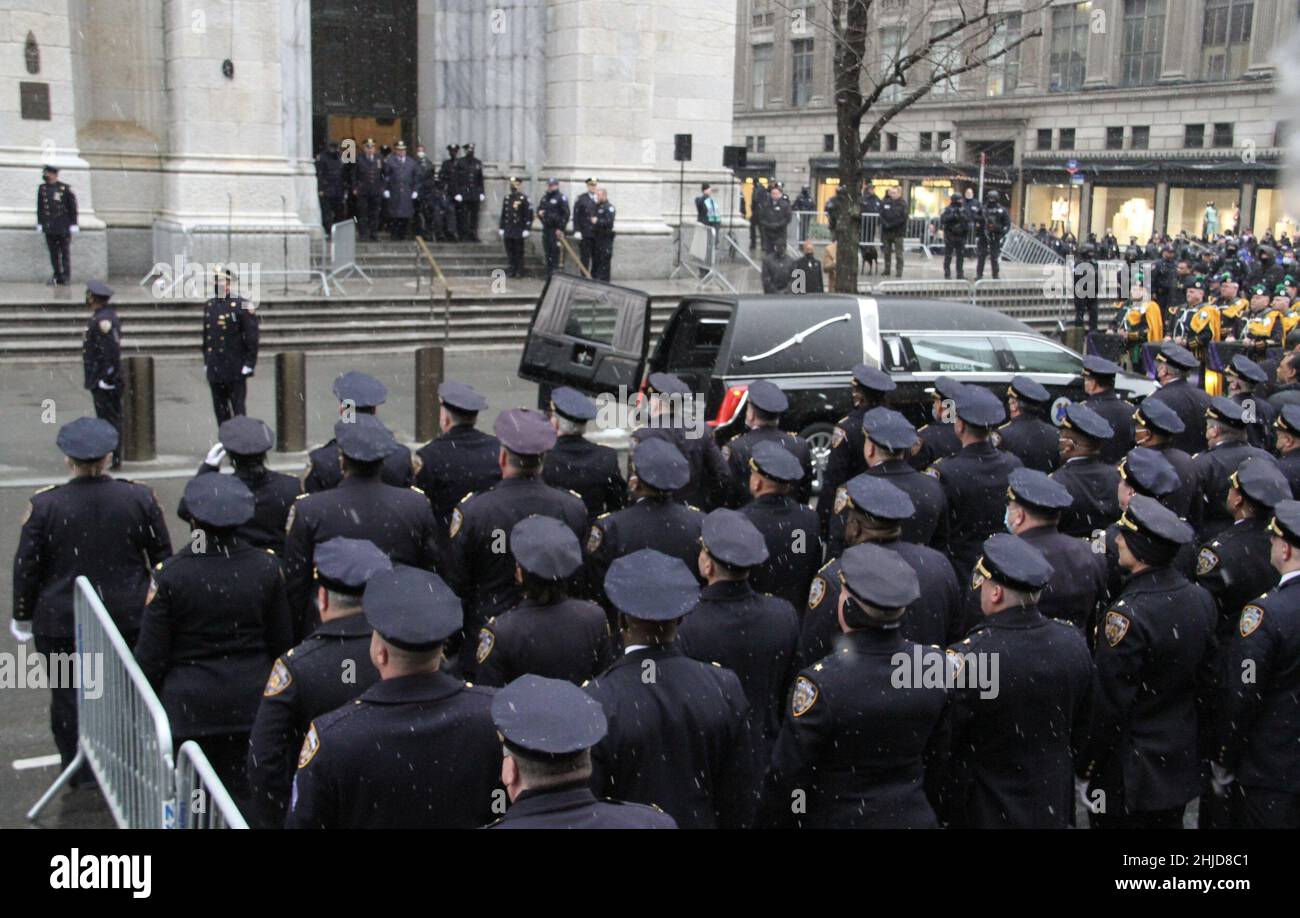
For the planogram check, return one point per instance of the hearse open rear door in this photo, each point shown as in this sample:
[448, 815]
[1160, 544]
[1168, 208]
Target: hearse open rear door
[587, 334]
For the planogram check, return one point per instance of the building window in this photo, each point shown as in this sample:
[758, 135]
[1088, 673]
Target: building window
[891, 142]
[1144, 33]
[925, 141]
[1114, 138]
[828, 143]
[1004, 72]
[874, 144]
[760, 144]
[801, 71]
[1069, 54]
[1194, 136]
[1280, 134]
[760, 63]
[1141, 137]
[891, 49]
[1044, 139]
[946, 55]
[761, 17]
[1223, 135]
[1067, 139]
[1225, 38]
[942, 139]
[749, 143]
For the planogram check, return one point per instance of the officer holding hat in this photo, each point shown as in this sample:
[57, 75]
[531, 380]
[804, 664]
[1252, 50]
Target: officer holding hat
[575, 463]
[418, 749]
[1225, 429]
[1189, 402]
[869, 387]
[1287, 432]
[765, 403]
[358, 393]
[1028, 435]
[231, 336]
[1091, 482]
[790, 528]
[327, 670]
[460, 461]
[671, 403]
[56, 217]
[101, 358]
[1245, 378]
[938, 440]
[1156, 427]
[656, 698]
[1099, 385]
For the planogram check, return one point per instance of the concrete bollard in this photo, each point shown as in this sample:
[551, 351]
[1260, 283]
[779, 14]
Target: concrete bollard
[139, 442]
[290, 402]
[429, 367]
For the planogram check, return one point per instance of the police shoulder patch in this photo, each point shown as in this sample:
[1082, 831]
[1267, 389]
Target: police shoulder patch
[1117, 626]
[594, 538]
[457, 518]
[841, 500]
[310, 746]
[956, 661]
[1251, 616]
[838, 437]
[279, 680]
[1206, 561]
[816, 592]
[803, 697]
[486, 641]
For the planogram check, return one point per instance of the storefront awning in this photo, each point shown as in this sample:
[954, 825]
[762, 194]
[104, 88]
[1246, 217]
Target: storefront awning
[1226, 170]
[919, 169]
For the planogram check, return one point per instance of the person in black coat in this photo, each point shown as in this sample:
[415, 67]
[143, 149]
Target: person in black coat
[513, 228]
[937, 440]
[1028, 435]
[584, 209]
[868, 387]
[806, 274]
[101, 359]
[401, 190]
[462, 460]
[1164, 279]
[56, 217]
[791, 529]
[1226, 432]
[358, 393]
[1147, 473]
[1157, 425]
[1189, 402]
[893, 224]
[990, 235]
[889, 436]
[553, 214]
[676, 416]
[766, 403]
[1087, 285]
[575, 463]
[1287, 432]
[329, 186]
[1091, 482]
[468, 187]
[774, 220]
[956, 228]
[230, 342]
[1099, 386]
[368, 191]
[1246, 378]
[602, 237]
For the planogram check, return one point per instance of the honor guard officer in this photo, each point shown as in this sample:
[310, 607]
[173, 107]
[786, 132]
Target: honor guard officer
[417, 750]
[1173, 363]
[326, 671]
[1256, 760]
[1245, 377]
[853, 740]
[1011, 765]
[763, 418]
[480, 564]
[1035, 504]
[468, 174]
[246, 441]
[1148, 473]
[516, 217]
[101, 359]
[875, 512]
[361, 507]
[846, 460]
[584, 210]
[547, 728]
[752, 634]
[1157, 426]
[216, 617]
[1153, 647]
[670, 401]
[938, 440]
[790, 528]
[1091, 482]
[1099, 385]
[575, 463]
[462, 460]
[230, 341]
[553, 212]
[547, 633]
[1027, 435]
[1287, 428]
[1225, 428]
[657, 699]
[107, 530]
[358, 393]
[56, 217]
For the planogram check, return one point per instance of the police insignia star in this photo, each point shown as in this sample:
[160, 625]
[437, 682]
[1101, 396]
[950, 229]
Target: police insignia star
[841, 500]
[486, 641]
[1116, 628]
[804, 696]
[838, 437]
[817, 592]
[456, 519]
[1205, 562]
[310, 745]
[1251, 616]
[279, 680]
[594, 538]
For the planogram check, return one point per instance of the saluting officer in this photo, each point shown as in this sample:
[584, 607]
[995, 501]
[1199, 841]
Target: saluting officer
[418, 749]
[1013, 749]
[327, 670]
[790, 528]
[101, 359]
[657, 699]
[108, 530]
[553, 212]
[358, 393]
[56, 217]
[1245, 378]
[1189, 402]
[938, 440]
[462, 459]
[230, 342]
[1287, 428]
[397, 520]
[547, 633]
[547, 728]
[1152, 651]
[1028, 435]
[766, 402]
[216, 617]
[854, 740]
[846, 459]
[516, 217]
[671, 400]
[246, 441]
[1099, 385]
[1147, 473]
[575, 463]
[1225, 429]
[1091, 482]
[1157, 426]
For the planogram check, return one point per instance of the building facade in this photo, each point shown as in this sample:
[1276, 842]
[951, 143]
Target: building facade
[1125, 116]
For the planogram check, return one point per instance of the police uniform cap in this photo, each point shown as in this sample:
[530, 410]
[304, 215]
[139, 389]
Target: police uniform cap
[87, 439]
[245, 436]
[651, 586]
[661, 465]
[1081, 418]
[1146, 517]
[774, 461]
[946, 387]
[1100, 366]
[668, 384]
[1225, 411]
[1011, 561]
[1156, 415]
[1286, 521]
[1288, 419]
[873, 379]
[364, 438]
[345, 565]
[461, 397]
[1177, 355]
[50, 168]
[361, 389]
[729, 536]
[1029, 390]
[524, 431]
[977, 405]
[545, 547]
[886, 427]
[1037, 490]
[880, 578]
[1262, 481]
[766, 395]
[411, 608]
[1148, 472]
[1244, 368]
[877, 497]
[591, 181]
[572, 404]
[547, 717]
[99, 288]
[219, 501]
[552, 181]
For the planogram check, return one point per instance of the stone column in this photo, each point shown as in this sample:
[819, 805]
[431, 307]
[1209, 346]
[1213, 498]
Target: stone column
[1160, 217]
[1267, 30]
[1182, 48]
[1104, 46]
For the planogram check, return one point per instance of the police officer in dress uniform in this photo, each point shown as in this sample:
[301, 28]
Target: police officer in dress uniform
[790, 528]
[358, 393]
[1287, 432]
[1189, 402]
[417, 750]
[1154, 648]
[584, 209]
[368, 190]
[575, 463]
[1099, 386]
[1013, 749]
[1245, 378]
[1225, 428]
[460, 461]
[553, 212]
[854, 740]
[216, 617]
[547, 728]
[329, 187]
[868, 388]
[670, 401]
[401, 189]
[468, 177]
[397, 520]
[602, 237]
[1143, 471]
[107, 530]
[1091, 482]
[656, 698]
[327, 670]
[513, 228]
[230, 341]
[938, 440]
[101, 359]
[1157, 425]
[1028, 435]
[766, 402]
[56, 217]
[547, 633]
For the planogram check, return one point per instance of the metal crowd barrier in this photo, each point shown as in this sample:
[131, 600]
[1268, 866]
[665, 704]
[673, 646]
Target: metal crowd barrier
[176, 250]
[1024, 248]
[202, 800]
[342, 248]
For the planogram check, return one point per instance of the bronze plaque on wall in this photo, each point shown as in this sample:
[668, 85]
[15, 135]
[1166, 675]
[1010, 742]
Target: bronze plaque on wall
[35, 101]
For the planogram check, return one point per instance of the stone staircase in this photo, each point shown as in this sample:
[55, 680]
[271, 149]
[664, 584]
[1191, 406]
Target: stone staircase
[389, 259]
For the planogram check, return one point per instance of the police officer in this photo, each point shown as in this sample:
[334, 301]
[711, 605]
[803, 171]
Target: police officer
[101, 359]
[956, 227]
[938, 440]
[1034, 506]
[854, 740]
[1151, 645]
[417, 750]
[246, 441]
[216, 617]
[575, 463]
[584, 209]
[547, 728]
[1011, 765]
[56, 217]
[327, 670]
[553, 212]
[774, 219]
[358, 393]
[547, 633]
[462, 460]
[516, 217]
[1245, 377]
[329, 186]
[230, 342]
[1099, 385]
[401, 190]
[1091, 482]
[602, 236]
[889, 439]
[1157, 425]
[1189, 402]
[790, 528]
[766, 402]
[104, 529]
[397, 520]
[1087, 283]
[867, 387]
[1225, 428]
[368, 190]
[994, 229]
[1028, 435]
[1287, 431]
[672, 407]
[468, 178]
[656, 698]
[1148, 473]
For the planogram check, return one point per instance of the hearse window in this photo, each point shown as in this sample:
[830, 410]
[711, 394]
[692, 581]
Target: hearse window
[1033, 355]
[938, 354]
[894, 357]
[594, 319]
[697, 340]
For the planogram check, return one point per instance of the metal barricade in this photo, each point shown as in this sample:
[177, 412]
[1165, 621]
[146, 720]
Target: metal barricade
[918, 233]
[1023, 248]
[343, 256]
[700, 256]
[202, 801]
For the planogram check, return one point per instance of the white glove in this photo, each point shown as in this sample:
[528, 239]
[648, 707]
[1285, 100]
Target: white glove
[1081, 793]
[577, 235]
[103, 384]
[480, 197]
[74, 229]
[39, 228]
[214, 456]
[414, 195]
[386, 193]
[248, 371]
[22, 631]
[525, 234]
[1220, 780]
[458, 199]
[501, 233]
